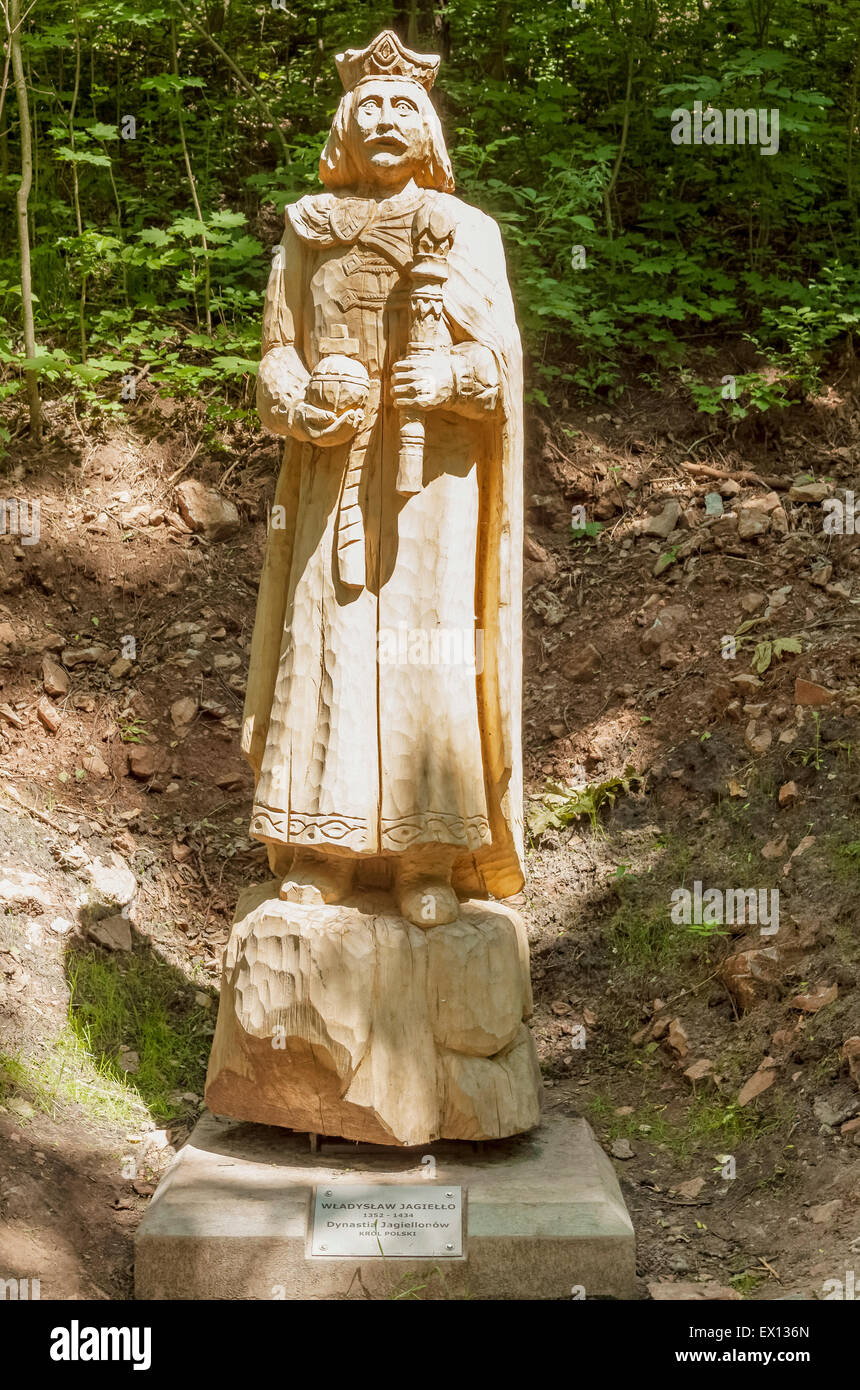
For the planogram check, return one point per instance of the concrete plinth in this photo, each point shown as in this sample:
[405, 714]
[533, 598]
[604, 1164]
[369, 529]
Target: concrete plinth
[543, 1215]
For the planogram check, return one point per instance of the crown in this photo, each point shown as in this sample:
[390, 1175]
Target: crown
[386, 57]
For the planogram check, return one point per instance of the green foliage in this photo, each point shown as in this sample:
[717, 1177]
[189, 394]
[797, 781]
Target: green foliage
[624, 247]
[560, 805]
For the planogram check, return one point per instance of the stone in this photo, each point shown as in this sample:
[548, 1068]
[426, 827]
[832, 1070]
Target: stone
[120, 668]
[94, 655]
[114, 933]
[93, 763]
[758, 1082]
[809, 693]
[22, 891]
[348, 1020]
[622, 1148]
[49, 715]
[666, 627]
[147, 761]
[229, 1220]
[205, 511]
[757, 738]
[851, 1055]
[752, 522]
[112, 883]
[183, 712]
[664, 524]
[752, 975]
[55, 680]
[583, 664]
[808, 492]
[788, 794]
[816, 999]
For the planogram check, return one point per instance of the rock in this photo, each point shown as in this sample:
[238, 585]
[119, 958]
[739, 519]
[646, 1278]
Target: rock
[714, 503]
[747, 682]
[691, 1188]
[808, 693]
[49, 715]
[851, 1054]
[182, 712]
[129, 1060]
[757, 738]
[788, 794]
[850, 1127]
[205, 511]
[621, 1148]
[752, 522]
[839, 1105]
[775, 849]
[751, 975]
[842, 590]
[227, 781]
[147, 761]
[664, 524]
[826, 1213]
[752, 600]
[816, 999]
[94, 763]
[699, 1070]
[821, 576]
[583, 664]
[112, 884]
[808, 492]
[55, 680]
[61, 925]
[676, 1039]
[758, 1082]
[10, 717]
[666, 627]
[120, 667]
[94, 655]
[22, 891]
[114, 933]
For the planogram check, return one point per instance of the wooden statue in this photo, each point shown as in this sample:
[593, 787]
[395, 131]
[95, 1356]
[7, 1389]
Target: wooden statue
[371, 989]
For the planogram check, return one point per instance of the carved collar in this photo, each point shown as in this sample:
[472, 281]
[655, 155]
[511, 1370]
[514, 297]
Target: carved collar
[329, 219]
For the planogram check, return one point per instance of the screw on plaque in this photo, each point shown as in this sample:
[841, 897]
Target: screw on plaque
[449, 1247]
[323, 1247]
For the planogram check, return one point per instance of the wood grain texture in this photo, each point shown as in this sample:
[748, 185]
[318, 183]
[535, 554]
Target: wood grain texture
[348, 1020]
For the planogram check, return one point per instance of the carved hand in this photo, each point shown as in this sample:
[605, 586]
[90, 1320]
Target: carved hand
[423, 383]
[323, 427]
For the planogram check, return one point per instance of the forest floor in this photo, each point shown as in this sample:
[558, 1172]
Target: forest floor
[714, 1061]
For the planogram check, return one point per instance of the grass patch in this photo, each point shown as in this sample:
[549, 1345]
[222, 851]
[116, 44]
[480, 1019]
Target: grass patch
[708, 1122]
[143, 1004]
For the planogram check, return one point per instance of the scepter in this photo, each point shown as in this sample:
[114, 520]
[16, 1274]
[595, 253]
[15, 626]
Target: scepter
[432, 238]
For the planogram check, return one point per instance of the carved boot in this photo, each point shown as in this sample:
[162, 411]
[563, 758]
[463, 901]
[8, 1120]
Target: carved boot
[422, 886]
[316, 878]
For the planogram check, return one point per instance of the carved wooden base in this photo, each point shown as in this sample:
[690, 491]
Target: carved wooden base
[346, 1020]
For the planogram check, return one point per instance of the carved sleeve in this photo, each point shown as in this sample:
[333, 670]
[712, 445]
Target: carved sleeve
[283, 376]
[476, 379]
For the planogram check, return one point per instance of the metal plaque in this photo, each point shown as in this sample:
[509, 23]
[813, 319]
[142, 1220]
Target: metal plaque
[388, 1220]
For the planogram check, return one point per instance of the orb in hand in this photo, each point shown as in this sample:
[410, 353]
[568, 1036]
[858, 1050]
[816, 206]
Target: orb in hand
[338, 383]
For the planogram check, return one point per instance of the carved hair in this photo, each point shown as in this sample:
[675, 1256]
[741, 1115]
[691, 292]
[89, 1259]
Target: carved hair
[337, 165]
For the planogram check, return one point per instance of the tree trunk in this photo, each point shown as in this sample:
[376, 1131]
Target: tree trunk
[23, 194]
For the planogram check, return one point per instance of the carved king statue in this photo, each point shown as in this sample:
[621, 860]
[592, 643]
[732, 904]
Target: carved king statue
[373, 989]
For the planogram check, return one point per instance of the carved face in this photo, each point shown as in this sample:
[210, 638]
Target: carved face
[387, 131]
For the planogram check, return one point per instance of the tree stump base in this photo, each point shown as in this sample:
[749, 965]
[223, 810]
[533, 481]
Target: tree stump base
[347, 1020]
